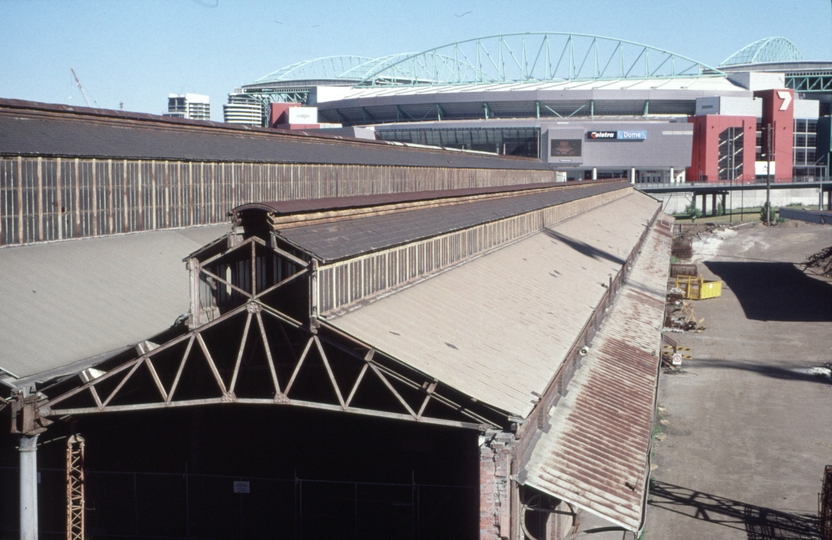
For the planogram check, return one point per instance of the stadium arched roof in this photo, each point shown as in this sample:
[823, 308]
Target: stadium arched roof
[521, 57]
[346, 67]
[772, 49]
[537, 57]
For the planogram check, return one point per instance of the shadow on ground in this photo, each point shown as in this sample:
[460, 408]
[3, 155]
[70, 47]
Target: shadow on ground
[758, 522]
[583, 247]
[787, 373]
[776, 291]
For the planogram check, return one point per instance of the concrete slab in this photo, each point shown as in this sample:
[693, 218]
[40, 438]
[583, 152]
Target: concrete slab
[748, 427]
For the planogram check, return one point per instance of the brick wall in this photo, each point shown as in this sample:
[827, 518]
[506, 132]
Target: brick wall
[495, 486]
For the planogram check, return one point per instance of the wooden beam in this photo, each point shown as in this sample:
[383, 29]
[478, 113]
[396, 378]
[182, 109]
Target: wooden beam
[156, 379]
[211, 363]
[240, 354]
[269, 358]
[298, 365]
[254, 401]
[329, 371]
[179, 371]
[123, 381]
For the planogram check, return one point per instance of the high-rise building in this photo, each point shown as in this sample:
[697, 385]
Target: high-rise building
[190, 106]
[243, 109]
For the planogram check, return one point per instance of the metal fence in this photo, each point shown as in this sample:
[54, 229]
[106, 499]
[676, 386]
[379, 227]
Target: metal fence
[183, 505]
[44, 199]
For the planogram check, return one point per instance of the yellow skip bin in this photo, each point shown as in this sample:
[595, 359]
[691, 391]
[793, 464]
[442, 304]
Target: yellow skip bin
[696, 288]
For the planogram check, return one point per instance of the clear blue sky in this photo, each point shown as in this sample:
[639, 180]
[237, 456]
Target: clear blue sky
[139, 51]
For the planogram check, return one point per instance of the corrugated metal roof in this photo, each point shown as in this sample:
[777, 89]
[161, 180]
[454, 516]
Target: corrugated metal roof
[65, 302]
[298, 206]
[338, 240]
[594, 455]
[498, 327]
[35, 129]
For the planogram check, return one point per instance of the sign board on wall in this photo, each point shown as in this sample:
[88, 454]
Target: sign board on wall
[303, 115]
[621, 135]
[565, 148]
[760, 168]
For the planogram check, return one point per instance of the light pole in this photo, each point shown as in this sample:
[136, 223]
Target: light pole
[733, 173]
[768, 174]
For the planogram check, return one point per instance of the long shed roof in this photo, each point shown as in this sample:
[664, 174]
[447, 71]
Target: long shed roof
[498, 327]
[594, 454]
[338, 240]
[37, 129]
[66, 302]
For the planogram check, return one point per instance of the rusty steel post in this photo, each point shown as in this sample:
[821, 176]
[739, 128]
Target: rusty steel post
[75, 488]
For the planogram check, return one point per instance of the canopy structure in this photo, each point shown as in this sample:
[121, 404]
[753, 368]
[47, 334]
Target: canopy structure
[537, 57]
[772, 49]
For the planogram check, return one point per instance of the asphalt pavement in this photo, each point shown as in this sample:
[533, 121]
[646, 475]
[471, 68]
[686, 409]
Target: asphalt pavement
[746, 424]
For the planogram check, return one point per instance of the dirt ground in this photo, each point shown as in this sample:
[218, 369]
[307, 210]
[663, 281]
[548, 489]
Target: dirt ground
[747, 423]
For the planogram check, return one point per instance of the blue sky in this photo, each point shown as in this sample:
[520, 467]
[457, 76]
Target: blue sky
[136, 52]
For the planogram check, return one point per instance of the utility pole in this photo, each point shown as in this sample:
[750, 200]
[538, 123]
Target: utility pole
[81, 88]
[768, 175]
[733, 173]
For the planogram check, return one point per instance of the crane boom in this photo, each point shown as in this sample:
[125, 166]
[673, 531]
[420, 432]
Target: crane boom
[81, 88]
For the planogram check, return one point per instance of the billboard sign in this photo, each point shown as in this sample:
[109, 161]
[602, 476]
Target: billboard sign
[632, 135]
[303, 115]
[565, 148]
[761, 168]
[621, 135]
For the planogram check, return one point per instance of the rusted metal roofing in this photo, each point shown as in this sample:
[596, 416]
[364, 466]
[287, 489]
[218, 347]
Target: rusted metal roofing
[338, 240]
[38, 129]
[498, 327]
[595, 454]
[65, 302]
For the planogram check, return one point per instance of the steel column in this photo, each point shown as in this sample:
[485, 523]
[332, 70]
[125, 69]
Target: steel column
[28, 487]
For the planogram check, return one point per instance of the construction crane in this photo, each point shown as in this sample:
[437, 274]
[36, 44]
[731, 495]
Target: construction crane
[81, 88]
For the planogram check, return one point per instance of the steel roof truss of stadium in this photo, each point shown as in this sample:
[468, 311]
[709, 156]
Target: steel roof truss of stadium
[810, 82]
[541, 56]
[772, 49]
[327, 67]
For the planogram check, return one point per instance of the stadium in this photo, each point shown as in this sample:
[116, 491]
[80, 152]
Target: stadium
[589, 106]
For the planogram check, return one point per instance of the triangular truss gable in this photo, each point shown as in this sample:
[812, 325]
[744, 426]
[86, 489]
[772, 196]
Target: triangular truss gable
[252, 352]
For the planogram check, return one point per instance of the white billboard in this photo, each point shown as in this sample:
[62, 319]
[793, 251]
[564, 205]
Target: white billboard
[760, 168]
[303, 115]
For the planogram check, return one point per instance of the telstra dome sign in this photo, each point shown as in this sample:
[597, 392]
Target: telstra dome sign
[617, 135]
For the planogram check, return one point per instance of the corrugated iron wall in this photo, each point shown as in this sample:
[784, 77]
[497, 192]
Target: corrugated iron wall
[44, 199]
[350, 281]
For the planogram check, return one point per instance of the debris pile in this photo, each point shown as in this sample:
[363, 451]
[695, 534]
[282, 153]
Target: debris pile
[682, 248]
[679, 315]
[679, 269]
[822, 261]
[707, 230]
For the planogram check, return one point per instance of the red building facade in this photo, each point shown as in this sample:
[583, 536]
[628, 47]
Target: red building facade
[725, 147]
